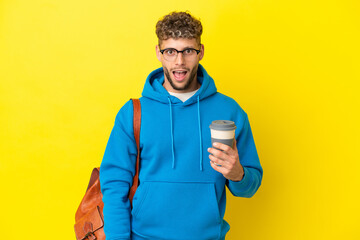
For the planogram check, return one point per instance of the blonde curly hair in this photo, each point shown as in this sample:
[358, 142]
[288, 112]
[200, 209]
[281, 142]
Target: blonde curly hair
[178, 25]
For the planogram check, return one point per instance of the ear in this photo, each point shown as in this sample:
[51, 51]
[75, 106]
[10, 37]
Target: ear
[201, 54]
[158, 53]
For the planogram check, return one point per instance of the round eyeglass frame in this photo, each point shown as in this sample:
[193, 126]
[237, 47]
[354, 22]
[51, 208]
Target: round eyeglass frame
[177, 51]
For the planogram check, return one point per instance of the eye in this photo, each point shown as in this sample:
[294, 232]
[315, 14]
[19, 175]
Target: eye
[189, 51]
[170, 52]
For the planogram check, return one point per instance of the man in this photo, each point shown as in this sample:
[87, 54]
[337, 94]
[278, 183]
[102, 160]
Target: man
[182, 177]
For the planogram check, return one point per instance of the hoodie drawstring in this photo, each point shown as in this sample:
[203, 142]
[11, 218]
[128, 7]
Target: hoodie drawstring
[172, 135]
[200, 135]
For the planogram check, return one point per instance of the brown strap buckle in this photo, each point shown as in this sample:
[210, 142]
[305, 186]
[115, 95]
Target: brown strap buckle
[89, 236]
[88, 227]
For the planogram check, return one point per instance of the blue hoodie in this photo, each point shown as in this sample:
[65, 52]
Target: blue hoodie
[180, 196]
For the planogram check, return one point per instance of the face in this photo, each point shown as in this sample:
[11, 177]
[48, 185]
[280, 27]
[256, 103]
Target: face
[186, 81]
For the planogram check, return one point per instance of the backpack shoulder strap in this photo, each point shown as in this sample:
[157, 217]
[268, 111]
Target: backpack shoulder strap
[137, 124]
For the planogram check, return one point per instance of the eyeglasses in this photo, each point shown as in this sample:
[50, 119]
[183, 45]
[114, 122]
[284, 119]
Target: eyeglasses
[170, 54]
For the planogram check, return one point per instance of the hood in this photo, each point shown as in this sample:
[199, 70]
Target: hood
[154, 89]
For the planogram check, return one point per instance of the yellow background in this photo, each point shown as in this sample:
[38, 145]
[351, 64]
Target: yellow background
[66, 67]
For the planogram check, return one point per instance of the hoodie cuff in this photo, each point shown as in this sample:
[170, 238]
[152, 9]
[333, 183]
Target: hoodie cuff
[242, 185]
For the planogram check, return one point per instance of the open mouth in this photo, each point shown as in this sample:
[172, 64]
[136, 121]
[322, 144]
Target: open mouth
[179, 75]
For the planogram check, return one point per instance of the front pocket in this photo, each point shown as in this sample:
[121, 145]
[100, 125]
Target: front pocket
[173, 210]
[139, 197]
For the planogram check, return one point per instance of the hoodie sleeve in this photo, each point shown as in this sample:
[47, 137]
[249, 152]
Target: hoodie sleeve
[250, 161]
[116, 175]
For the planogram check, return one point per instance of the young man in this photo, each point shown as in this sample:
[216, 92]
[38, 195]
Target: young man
[182, 177]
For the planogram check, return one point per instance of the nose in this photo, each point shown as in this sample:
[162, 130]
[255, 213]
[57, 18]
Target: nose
[179, 59]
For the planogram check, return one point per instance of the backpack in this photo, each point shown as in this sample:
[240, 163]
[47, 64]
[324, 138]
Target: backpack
[89, 218]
